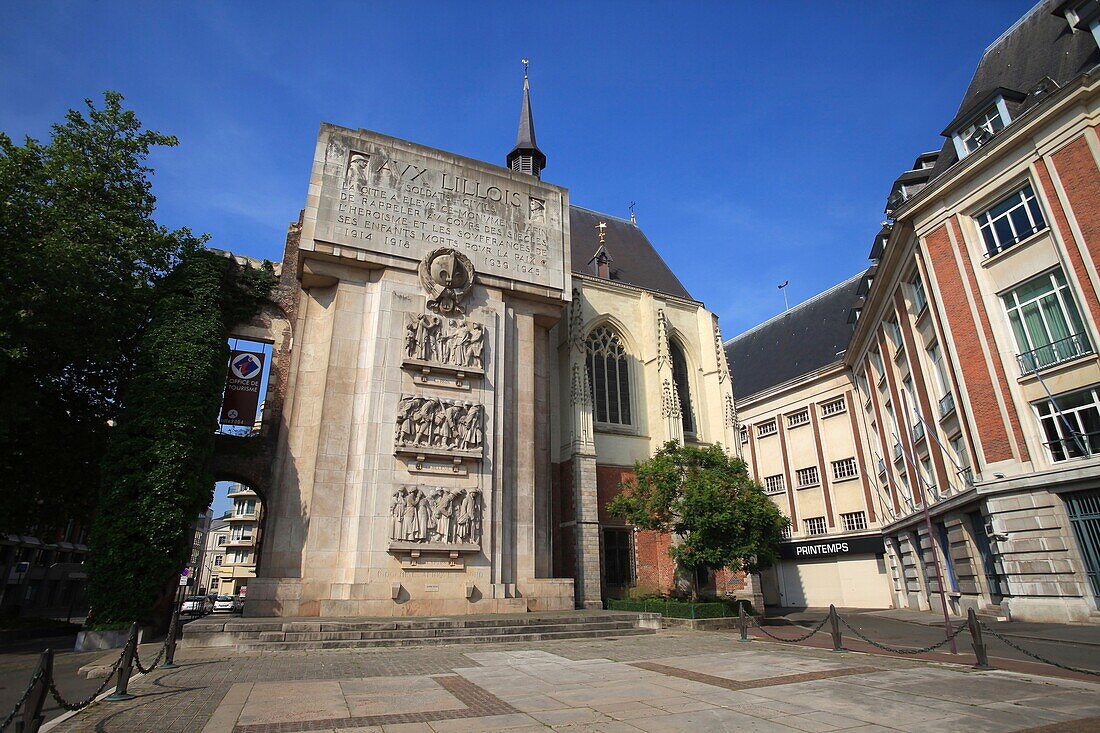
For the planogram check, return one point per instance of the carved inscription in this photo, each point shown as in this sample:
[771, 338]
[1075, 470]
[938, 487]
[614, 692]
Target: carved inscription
[430, 422]
[436, 515]
[384, 201]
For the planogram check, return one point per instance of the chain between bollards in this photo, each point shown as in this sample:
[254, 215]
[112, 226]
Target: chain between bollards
[125, 668]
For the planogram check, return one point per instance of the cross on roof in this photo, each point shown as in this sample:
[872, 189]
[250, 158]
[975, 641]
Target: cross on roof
[602, 226]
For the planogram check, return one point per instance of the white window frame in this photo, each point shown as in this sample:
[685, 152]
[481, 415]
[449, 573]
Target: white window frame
[845, 468]
[854, 521]
[744, 434]
[766, 428]
[1050, 422]
[919, 294]
[776, 484]
[799, 418]
[834, 407]
[1079, 340]
[992, 120]
[222, 539]
[815, 526]
[606, 343]
[1028, 202]
[808, 477]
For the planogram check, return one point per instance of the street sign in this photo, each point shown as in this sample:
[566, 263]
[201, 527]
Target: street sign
[242, 388]
[184, 580]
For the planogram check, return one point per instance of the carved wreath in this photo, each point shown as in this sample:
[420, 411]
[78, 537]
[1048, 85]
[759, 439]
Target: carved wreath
[448, 276]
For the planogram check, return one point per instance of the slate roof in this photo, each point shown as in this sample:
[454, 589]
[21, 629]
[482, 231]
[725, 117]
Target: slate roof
[635, 261]
[1039, 45]
[811, 335]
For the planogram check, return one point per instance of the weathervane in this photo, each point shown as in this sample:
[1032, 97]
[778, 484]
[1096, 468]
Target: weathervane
[525, 61]
[601, 227]
[633, 219]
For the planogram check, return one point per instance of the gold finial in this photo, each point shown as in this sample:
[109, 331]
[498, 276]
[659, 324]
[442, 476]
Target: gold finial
[602, 226]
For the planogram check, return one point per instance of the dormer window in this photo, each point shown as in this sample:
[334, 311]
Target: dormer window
[1081, 15]
[981, 130]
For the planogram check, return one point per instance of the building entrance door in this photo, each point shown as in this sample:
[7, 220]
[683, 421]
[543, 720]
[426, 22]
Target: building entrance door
[1084, 516]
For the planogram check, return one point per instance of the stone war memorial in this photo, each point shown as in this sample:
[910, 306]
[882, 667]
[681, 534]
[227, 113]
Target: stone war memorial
[463, 389]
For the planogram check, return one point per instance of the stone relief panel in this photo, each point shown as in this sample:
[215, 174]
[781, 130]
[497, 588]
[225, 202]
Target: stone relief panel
[436, 515]
[430, 422]
[447, 342]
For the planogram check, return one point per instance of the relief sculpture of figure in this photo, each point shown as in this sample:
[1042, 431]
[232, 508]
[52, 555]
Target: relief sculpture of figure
[475, 345]
[411, 338]
[423, 515]
[459, 336]
[397, 510]
[447, 343]
[424, 421]
[471, 427]
[474, 498]
[452, 421]
[427, 326]
[462, 517]
[405, 408]
[408, 517]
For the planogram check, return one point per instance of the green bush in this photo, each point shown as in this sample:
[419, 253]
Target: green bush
[672, 608]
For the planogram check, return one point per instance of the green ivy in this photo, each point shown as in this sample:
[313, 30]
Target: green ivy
[155, 477]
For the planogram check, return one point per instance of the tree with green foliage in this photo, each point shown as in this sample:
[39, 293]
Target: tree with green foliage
[80, 259]
[719, 516]
[155, 474]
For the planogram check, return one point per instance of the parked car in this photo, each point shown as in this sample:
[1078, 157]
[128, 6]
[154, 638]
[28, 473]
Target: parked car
[228, 604]
[196, 606]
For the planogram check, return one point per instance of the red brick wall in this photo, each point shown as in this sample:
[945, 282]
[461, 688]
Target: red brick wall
[968, 347]
[656, 570]
[1080, 180]
[608, 479]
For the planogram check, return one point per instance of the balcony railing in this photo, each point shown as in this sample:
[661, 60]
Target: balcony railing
[967, 475]
[918, 432]
[897, 451]
[1054, 353]
[947, 404]
[881, 466]
[1081, 445]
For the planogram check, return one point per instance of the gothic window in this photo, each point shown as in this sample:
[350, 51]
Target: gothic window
[680, 376]
[609, 376]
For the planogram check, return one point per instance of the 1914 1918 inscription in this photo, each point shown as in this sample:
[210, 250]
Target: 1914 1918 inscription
[385, 195]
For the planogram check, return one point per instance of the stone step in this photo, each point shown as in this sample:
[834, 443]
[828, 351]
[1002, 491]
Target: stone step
[418, 633]
[262, 646]
[245, 626]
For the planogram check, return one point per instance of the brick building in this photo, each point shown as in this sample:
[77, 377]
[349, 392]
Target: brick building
[972, 365]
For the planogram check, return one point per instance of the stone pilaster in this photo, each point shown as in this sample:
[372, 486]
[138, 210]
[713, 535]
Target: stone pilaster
[586, 578]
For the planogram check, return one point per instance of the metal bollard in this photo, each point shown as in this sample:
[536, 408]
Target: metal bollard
[980, 656]
[742, 622]
[173, 634]
[125, 667]
[834, 624]
[32, 709]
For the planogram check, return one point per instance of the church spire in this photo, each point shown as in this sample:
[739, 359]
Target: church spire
[526, 156]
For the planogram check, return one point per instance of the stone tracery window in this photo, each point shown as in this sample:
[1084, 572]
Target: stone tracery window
[609, 375]
[680, 376]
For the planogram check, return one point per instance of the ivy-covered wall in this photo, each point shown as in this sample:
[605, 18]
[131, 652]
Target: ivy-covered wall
[156, 476]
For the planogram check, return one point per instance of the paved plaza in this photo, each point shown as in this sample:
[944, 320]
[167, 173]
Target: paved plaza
[671, 681]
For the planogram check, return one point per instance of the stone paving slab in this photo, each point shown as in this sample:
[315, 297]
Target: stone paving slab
[672, 681]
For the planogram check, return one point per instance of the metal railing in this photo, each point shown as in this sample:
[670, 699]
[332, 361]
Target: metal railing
[1054, 353]
[881, 466]
[43, 683]
[1080, 445]
[947, 404]
[918, 432]
[897, 451]
[973, 625]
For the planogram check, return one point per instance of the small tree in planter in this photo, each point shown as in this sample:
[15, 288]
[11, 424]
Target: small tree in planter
[707, 499]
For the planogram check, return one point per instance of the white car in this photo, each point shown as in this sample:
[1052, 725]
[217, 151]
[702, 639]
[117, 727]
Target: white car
[196, 606]
[227, 604]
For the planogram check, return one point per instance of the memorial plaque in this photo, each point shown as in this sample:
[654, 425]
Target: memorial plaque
[379, 194]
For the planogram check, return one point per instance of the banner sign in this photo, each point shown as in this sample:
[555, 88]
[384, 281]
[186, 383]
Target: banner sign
[832, 547]
[242, 388]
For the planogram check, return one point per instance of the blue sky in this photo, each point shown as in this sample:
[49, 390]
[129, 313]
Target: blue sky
[759, 140]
